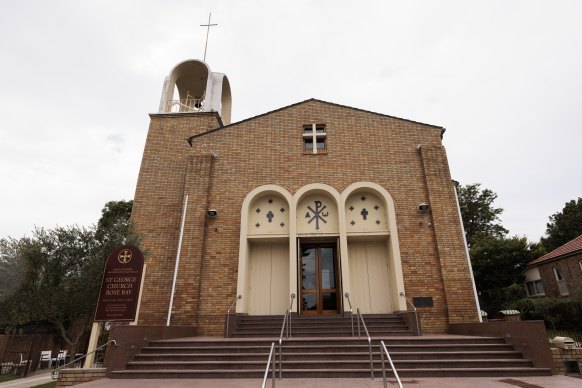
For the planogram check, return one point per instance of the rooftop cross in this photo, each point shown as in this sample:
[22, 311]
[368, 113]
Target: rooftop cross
[207, 32]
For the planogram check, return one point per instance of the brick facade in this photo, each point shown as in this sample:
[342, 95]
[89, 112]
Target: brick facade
[404, 157]
[571, 270]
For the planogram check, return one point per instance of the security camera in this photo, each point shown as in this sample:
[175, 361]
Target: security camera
[423, 207]
[212, 213]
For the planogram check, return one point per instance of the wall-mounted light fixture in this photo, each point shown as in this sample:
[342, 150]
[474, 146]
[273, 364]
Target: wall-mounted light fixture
[423, 207]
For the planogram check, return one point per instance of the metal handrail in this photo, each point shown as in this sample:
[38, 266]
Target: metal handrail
[271, 353]
[55, 372]
[415, 312]
[347, 295]
[360, 318]
[288, 326]
[384, 350]
[227, 334]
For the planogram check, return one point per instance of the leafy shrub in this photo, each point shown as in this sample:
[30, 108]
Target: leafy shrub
[563, 313]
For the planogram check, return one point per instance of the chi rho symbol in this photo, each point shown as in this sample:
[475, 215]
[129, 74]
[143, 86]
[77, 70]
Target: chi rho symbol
[316, 214]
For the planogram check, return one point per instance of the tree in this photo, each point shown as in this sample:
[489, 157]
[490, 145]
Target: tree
[114, 216]
[498, 262]
[564, 226]
[61, 272]
[480, 218]
[10, 271]
[54, 286]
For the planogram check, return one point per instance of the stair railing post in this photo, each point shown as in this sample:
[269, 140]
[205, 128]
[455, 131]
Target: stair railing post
[384, 350]
[383, 368]
[347, 295]
[414, 309]
[273, 374]
[281, 347]
[270, 364]
[289, 311]
[360, 318]
[227, 334]
[358, 312]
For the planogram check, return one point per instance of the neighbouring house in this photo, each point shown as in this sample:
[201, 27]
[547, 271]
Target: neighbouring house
[557, 273]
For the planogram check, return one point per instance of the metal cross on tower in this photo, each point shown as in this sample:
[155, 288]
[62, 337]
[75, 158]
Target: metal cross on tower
[207, 32]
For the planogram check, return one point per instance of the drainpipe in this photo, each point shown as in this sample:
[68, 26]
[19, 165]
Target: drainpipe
[177, 260]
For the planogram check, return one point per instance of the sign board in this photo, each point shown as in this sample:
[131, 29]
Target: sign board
[120, 285]
[422, 301]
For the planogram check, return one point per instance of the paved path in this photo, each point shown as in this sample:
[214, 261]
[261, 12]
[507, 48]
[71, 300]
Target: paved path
[31, 381]
[480, 382]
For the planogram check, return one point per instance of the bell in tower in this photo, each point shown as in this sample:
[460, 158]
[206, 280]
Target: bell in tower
[191, 87]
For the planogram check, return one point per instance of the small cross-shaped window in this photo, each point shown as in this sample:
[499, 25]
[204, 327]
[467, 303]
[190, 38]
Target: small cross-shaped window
[314, 138]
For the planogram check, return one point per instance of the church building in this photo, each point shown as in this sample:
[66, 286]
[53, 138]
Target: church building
[314, 199]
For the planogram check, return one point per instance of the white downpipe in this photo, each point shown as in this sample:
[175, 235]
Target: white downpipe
[177, 260]
[468, 256]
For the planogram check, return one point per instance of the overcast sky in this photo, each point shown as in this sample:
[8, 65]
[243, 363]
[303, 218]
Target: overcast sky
[78, 79]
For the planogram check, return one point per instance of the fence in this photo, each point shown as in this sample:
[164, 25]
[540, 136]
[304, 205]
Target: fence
[20, 351]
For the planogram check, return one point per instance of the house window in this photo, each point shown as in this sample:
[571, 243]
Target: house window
[314, 139]
[580, 264]
[535, 288]
[562, 286]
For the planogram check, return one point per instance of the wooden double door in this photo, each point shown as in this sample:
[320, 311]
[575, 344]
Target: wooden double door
[319, 283]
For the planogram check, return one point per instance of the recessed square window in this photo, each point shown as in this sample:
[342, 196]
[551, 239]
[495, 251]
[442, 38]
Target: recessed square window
[535, 288]
[314, 134]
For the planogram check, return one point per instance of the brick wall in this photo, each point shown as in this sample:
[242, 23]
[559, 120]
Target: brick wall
[561, 355]
[70, 377]
[158, 205]
[268, 149]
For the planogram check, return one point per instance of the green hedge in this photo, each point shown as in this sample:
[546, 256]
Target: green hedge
[563, 313]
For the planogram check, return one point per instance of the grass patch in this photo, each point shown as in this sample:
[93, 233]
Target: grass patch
[4, 378]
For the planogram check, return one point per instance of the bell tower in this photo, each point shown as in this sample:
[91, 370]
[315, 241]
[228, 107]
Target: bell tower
[191, 87]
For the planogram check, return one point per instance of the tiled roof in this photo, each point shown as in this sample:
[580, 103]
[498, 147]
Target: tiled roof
[570, 247]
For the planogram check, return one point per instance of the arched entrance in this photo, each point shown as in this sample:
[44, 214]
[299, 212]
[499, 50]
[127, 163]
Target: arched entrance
[317, 226]
[318, 244]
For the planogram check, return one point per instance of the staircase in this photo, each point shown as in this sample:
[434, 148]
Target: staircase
[380, 325]
[324, 347]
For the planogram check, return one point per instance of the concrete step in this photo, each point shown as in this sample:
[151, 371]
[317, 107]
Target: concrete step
[320, 333]
[336, 354]
[318, 325]
[327, 373]
[405, 342]
[329, 364]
